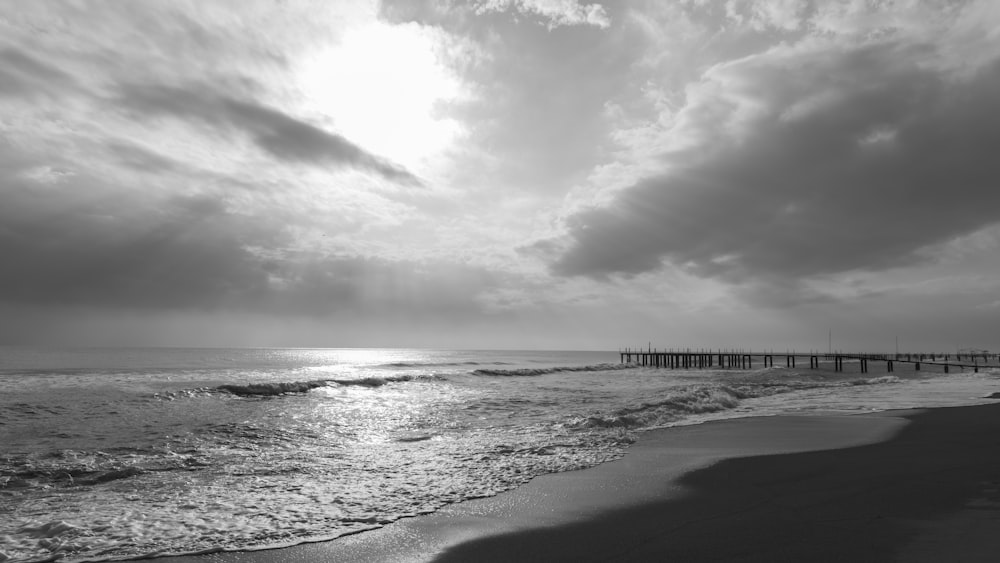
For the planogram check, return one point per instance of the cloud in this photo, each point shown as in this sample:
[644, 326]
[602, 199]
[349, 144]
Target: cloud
[139, 158]
[535, 121]
[316, 285]
[105, 248]
[79, 241]
[785, 15]
[808, 161]
[275, 132]
[24, 75]
[557, 12]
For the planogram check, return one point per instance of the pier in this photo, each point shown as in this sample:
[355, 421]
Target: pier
[746, 360]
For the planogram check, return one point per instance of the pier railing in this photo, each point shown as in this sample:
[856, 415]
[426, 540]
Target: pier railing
[730, 359]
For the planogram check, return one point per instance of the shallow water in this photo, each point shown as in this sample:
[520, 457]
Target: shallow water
[116, 453]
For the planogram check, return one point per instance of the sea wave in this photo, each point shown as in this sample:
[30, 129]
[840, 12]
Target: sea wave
[528, 372]
[692, 400]
[440, 364]
[78, 468]
[274, 388]
[702, 399]
[880, 380]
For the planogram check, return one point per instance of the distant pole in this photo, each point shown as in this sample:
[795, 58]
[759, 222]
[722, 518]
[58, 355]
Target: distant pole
[829, 343]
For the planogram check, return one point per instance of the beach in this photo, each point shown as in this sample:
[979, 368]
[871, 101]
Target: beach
[411, 455]
[909, 485]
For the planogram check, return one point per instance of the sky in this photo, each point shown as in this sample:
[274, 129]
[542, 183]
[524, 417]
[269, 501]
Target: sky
[536, 174]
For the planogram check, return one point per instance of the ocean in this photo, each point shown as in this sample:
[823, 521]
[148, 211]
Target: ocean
[112, 454]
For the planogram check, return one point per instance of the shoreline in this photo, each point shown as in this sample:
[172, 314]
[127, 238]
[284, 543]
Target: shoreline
[930, 492]
[679, 489]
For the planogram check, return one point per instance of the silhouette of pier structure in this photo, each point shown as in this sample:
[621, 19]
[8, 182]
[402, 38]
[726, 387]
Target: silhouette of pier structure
[746, 360]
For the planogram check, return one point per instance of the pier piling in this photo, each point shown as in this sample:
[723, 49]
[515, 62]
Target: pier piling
[668, 358]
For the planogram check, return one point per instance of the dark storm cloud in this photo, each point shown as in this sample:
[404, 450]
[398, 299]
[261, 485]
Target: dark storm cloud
[858, 161]
[78, 242]
[142, 159]
[275, 132]
[116, 249]
[24, 75]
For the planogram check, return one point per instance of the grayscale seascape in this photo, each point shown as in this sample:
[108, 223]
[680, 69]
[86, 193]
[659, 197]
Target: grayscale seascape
[285, 281]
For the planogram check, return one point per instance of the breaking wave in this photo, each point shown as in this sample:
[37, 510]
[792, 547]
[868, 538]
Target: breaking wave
[702, 399]
[693, 400]
[272, 388]
[275, 388]
[885, 379]
[523, 372]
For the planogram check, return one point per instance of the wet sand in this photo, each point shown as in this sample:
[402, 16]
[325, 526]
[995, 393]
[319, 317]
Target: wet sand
[894, 486]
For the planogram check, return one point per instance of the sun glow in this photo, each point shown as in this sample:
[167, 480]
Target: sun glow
[382, 86]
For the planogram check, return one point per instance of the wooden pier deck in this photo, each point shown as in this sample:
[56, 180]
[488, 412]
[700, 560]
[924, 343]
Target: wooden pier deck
[729, 359]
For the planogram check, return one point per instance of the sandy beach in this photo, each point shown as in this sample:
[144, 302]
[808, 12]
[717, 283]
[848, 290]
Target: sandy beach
[891, 486]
